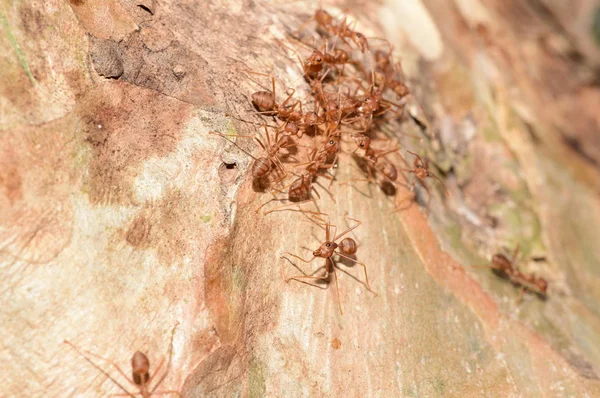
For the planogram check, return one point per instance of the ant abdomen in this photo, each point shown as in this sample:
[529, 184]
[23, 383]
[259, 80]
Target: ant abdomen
[261, 167]
[299, 189]
[263, 100]
[348, 246]
[390, 171]
[140, 368]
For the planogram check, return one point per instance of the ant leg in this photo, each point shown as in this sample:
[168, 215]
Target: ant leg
[285, 207]
[326, 190]
[299, 277]
[442, 182]
[337, 287]
[364, 267]
[297, 33]
[167, 392]
[105, 373]
[520, 296]
[515, 253]
[161, 363]
[348, 230]
[422, 183]
[411, 195]
[288, 98]
[234, 143]
[300, 258]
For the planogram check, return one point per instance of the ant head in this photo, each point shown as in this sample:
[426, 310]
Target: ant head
[360, 40]
[362, 141]
[331, 145]
[325, 250]
[316, 58]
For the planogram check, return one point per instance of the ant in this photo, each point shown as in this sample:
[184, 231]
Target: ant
[266, 101]
[508, 268]
[387, 169]
[299, 191]
[301, 188]
[372, 105]
[314, 64]
[263, 165]
[347, 247]
[342, 30]
[421, 172]
[140, 371]
[388, 69]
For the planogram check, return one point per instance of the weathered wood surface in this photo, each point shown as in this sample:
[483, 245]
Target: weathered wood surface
[118, 219]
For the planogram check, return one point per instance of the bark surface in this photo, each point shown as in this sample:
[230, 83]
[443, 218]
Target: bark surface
[120, 216]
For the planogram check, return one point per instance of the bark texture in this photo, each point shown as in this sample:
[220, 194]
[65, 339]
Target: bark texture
[120, 216]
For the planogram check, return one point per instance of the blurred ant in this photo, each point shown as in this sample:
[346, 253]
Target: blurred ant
[508, 268]
[342, 30]
[347, 247]
[140, 371]
[421, 172]
[387, 169]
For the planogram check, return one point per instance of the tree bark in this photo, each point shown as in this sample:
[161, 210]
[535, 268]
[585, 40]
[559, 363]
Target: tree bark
[122, 217]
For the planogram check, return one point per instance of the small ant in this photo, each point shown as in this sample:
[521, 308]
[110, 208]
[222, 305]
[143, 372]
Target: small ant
[341, 30]
[301, 188]
[140, 371]
[388, 69]
[347, 247]
[421, 172]
[266, 101]
[508, 268]
[372, 157]
[263, 165]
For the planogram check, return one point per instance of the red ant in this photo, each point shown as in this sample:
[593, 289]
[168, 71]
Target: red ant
[387, 169]
[263, 165]
[266, 101]
[299, 191]
[388, 69]
[372, 105]
[341, 30]
[421, 172]
[327, 249]
[507, 267]
[140, 371]
[301, 188]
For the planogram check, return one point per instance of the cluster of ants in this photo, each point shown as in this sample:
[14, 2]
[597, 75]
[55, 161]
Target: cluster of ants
[352, 89]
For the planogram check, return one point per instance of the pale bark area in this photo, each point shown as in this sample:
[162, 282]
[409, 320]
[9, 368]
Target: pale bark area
[118, 218]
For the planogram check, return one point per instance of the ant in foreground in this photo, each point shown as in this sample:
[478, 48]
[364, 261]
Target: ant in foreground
[508, 269]
[140, 371]
[326, 250]
[421, 172]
